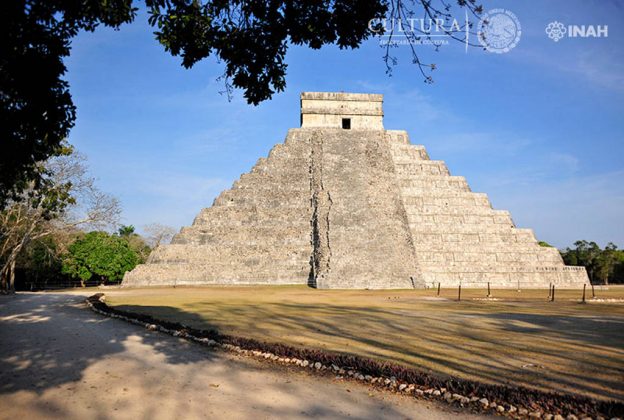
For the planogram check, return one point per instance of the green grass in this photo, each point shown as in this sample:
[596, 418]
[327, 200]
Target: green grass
[519, 339]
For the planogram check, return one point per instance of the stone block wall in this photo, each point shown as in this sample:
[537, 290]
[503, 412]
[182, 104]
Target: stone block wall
[257, 232]
[459, 238]
[327, 110]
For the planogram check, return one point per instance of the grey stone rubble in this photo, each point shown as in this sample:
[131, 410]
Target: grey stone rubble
[357, 207]
[499, 407]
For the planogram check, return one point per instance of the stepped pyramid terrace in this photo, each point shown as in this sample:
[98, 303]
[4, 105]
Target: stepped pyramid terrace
[345, 204]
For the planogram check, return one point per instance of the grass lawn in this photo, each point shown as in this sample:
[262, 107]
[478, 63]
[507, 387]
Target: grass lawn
[519, 339]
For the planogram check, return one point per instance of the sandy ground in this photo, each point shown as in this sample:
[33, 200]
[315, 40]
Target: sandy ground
[520, 339]
[60, 360]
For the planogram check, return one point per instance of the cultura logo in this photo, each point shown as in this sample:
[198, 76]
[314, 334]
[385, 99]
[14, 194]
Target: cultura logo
[556, 30]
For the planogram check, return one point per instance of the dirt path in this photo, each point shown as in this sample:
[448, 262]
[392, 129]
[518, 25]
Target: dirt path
[60, 360]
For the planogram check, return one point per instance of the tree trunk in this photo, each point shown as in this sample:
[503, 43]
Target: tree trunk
[12, 277]
[3, 283]
[7, 273]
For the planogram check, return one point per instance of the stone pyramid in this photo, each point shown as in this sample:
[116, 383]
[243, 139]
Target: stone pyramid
[344, 203]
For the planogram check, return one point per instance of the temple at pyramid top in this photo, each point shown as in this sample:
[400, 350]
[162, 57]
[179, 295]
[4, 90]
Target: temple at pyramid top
[350, 111]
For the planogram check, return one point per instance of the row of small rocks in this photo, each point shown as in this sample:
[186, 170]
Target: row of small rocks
[342, 372]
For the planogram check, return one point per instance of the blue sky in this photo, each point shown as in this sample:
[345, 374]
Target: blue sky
[539, 129]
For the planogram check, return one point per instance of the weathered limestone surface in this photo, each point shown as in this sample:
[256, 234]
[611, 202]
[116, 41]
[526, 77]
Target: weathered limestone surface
[356, 208]
[360, 229]
[459, 238]
[258, 232]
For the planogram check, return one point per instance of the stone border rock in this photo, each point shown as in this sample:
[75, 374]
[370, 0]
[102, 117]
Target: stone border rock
[514, 402]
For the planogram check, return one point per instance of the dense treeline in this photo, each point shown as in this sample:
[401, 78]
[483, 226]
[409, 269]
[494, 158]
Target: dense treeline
[55, 232]
[84, 259]
[604, 266]
[79, 258]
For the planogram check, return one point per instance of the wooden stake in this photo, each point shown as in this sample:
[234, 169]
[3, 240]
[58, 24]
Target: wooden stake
[593, 293]
[459, 294]
[552, 298]
[584, 286]
[489, 294]
[438, 288]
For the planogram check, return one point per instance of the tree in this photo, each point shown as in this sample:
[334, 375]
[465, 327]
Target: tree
[100, 255]
[135, 241]
[618, 268]
[158, 234]
[606, 262]
[63, 199]
[40, 262]
[125, 230]
[36, 109]
[250, 38]
[603, 265]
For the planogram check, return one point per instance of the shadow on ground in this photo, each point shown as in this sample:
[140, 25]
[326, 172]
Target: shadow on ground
[46, 340]
[570, 353]
[60, 360]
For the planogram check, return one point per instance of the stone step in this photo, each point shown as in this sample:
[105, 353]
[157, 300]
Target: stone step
[455, 224]
[455, 217]
[457, 199]
[472, 256]
[432, 209]
[299, 176]
[461, 241]
[251, 214]
[407, 153]
[260, 225]
[233, 254]
[242, 239]
[285, 188]
[469, 232]
[394, 137]
[432, 190]
[275, 199]
[193, 274]
[268, 174]
[506, 267]
[423, 167]
[443, 194]
[488, 223]
[298, 137]
[257, 264]
[262, 228]
[433, 182]
[480, 249]
[521, 277]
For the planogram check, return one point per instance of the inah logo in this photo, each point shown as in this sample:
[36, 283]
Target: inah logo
[499, 31]
[556, 31]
